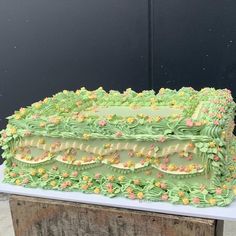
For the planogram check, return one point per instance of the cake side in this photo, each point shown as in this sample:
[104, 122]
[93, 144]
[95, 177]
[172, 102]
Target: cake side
[178, 149]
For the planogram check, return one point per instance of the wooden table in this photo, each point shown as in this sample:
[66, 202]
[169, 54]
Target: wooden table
[33, 216]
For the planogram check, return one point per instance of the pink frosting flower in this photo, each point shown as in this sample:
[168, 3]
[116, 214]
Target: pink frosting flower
[118, 134]
[109, 185]
[222, 109]
[162, 139]
[216, 158]
[64, 185]
[132, 196]
[196, 200]
[164, 197]
[26, 181]
[159, 175]
[142, 162]
[102, 123]
[130, 153]
[166, 160]
[163, 166]
[97, 175]
[218, 191]
[75, 173]
[216, 122]
[189, 123]
[152, 146]
[163, 185]
[4, 135]
[14, 164]
[190, 157]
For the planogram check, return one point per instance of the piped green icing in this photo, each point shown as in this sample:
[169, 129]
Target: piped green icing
[204, 118]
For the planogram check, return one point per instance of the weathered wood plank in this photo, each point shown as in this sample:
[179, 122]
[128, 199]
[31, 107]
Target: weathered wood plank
[44, 217]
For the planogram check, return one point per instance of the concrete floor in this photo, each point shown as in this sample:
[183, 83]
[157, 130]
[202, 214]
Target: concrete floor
[6, 228]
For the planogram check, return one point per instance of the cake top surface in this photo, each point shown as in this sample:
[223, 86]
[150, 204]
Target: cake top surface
[146, 115]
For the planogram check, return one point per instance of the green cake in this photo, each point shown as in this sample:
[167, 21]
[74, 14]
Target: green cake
[175, 146]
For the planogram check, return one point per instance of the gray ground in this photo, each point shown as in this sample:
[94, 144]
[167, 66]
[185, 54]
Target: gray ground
[6, 228]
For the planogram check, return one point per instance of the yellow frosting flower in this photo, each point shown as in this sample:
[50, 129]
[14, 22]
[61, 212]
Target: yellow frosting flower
[162, 90]
[234, 191]
[152, 100]
[111, 178]
[22, 111]
[33, 172]
[12, 130]
[171, 167]
[109, 117]
[107, 145]
[53, 183]
[28, 157]
[100, 158]
[212, 144]
[37, 105]
[130, 163]
[55, 120]
[130, 120]
[149, 119]
[41, 171]
[225, 186]
[42, 124]
[41, 141]
[212, 201]
[97, 190]
[18, 116]
[231, 168]
[181, 194]
[81, 118]
[86, 136]
[140, 195]
[140, 94]
[85, 178]
[17, 182]
[45, 100]
[185, 201]
[45, 176]
[181, 94]
[92, 96]
[121, 178]
[191, 167]
[158, 118]
[138, 154]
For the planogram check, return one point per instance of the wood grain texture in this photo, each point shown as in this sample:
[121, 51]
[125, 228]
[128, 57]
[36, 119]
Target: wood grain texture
[44, 217]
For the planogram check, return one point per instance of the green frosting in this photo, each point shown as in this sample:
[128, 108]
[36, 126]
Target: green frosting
[94, 119]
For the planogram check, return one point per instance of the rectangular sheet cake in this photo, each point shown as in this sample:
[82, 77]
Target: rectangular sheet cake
[172, 146]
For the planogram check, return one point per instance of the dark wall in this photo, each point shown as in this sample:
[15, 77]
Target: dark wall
[195, 43]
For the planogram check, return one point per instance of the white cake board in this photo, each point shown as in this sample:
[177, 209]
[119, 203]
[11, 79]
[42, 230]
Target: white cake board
[221, 213]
